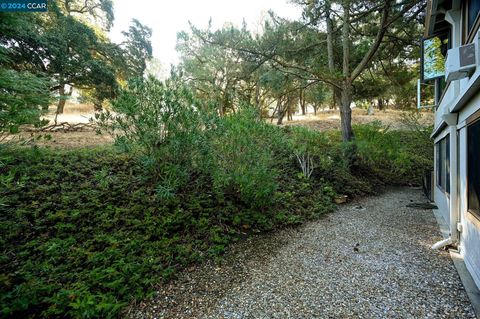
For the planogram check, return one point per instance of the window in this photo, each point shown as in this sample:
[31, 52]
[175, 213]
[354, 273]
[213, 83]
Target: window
[440, 86]
[432, 61]
[439, 163]
[447, 164]
[473, 162]
[443, 164]
[434, 51]
[471, 19]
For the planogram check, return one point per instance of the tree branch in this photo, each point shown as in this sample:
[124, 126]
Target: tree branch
[378, 39]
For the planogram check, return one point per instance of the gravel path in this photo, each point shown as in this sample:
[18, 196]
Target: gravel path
[370, 259]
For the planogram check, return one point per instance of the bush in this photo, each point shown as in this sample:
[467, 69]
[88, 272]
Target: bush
[241, 158]
[85, 234]
[177, 139]
[396, 157]
[23, 96]
[311, 145]
[161, 122]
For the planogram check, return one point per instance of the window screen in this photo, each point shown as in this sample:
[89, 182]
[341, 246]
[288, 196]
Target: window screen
[473, 8]
[447, 164]
[443, 164]
[439, 163]
[474, 168]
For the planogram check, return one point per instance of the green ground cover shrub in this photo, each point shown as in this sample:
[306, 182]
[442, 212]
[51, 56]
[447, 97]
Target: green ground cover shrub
[396, 157]
[84, 232]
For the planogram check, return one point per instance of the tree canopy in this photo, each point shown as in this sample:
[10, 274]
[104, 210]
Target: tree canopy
[338, 53]
[342, 44]
[68, 48]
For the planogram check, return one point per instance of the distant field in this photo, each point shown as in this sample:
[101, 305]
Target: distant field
[326, 120]
[331, 119]
[73, 113]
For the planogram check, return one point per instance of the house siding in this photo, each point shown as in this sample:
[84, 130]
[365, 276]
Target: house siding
[461, 97]
[470, 235]
[469, 245]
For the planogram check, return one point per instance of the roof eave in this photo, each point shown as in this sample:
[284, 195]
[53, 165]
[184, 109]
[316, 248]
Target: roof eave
[432, 6]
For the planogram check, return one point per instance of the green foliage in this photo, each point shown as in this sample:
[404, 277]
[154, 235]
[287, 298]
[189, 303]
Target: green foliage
[217, 74]
[20, 28]
[317, 95]
[23, 96]
[162, 123]
[178, 139]
[86, 232]
[149, 114]
[77, 55]
[137, 49]
[100, 11]
[69, 46]
[85, 235]
[304, 140]
[397, 157]
[242, 159]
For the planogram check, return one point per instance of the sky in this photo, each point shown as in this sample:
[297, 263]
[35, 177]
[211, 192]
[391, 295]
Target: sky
[166, 18]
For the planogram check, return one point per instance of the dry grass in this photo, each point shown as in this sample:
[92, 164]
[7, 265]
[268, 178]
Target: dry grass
[73, 108]
[64, 140]
[81, 113]
[331, 119]
[73, 114]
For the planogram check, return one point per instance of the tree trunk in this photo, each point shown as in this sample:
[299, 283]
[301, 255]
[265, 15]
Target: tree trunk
[302, 102]
[257, 96]
[62, 101]
[331, 61]
[281, 111]
[347, 87]
[97, 105]
[337, 97]
[289, 105]
[346, 113]
[346, 44]
[380, 104]
[292, 108]
[221, 108]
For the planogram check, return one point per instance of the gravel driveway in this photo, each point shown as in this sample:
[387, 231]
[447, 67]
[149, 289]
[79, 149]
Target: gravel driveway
[370, 259]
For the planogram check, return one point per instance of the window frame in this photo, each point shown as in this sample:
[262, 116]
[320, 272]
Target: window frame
[443, 159]
[468, 36]
[447, 164]
[473, 120]
[439, 163]
[447, 31]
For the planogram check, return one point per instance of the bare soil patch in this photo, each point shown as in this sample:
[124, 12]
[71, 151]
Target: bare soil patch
[73, 114]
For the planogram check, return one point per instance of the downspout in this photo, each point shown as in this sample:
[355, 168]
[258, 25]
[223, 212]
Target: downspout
[453, 17]
[451, 120]
[443, 243]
